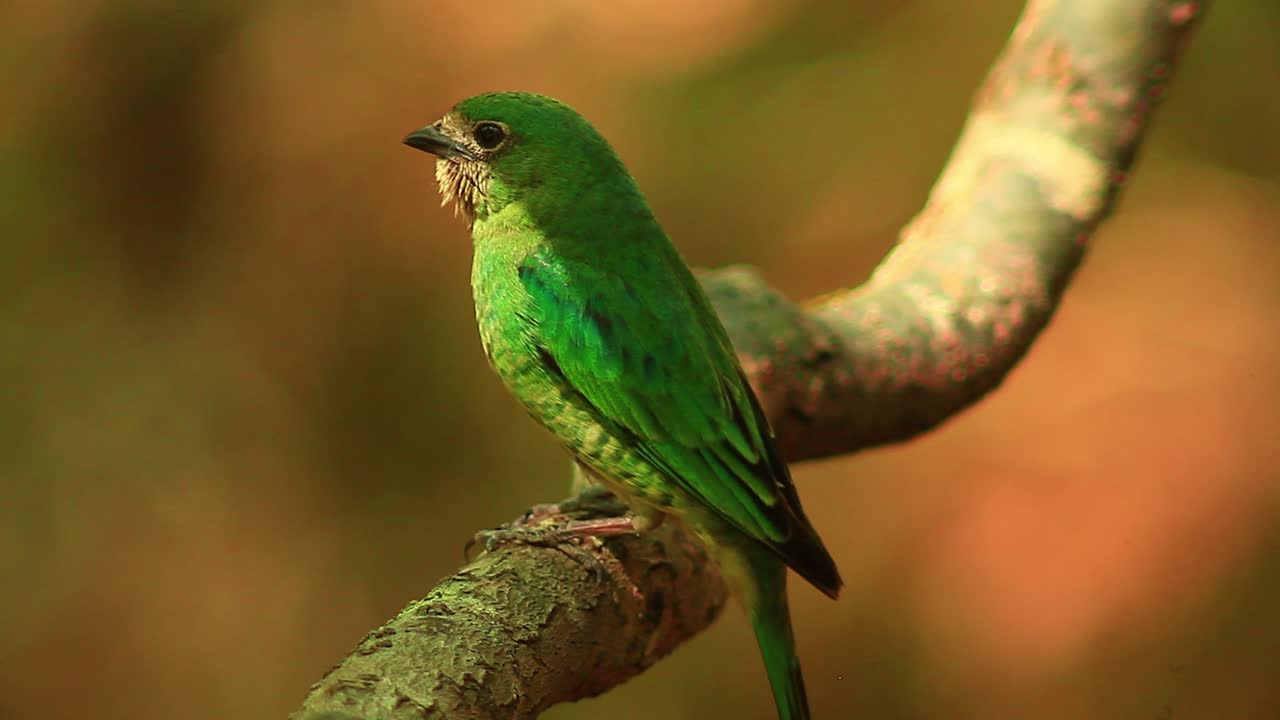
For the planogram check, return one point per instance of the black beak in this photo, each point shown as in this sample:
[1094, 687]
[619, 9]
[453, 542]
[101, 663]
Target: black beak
[431, 140]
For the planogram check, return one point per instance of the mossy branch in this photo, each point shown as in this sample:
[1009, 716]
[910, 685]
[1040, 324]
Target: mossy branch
[1048, 144]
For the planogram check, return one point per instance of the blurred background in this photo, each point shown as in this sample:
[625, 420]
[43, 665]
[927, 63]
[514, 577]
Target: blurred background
[245, 417]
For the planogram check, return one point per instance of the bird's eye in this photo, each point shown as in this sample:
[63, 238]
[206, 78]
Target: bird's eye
[489, 135]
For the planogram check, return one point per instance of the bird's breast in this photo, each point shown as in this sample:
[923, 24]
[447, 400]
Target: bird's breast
[507, 333]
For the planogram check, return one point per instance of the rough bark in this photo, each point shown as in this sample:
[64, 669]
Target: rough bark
[1048, 145]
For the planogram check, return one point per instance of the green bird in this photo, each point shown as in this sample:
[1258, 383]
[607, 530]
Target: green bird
[594, 322]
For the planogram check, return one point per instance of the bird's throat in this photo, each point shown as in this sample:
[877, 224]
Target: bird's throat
[464, 183]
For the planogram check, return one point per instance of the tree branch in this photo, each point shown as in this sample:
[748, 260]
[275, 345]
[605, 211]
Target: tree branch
[1049, 143]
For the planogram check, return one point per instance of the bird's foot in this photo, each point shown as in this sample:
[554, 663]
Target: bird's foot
[551, 533]
[593, 502]
[575, 527]
[581, 540]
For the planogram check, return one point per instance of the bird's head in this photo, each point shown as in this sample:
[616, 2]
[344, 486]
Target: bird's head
[500, 148]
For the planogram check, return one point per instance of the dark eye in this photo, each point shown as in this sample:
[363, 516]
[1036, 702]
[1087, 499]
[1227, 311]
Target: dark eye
[489, 135]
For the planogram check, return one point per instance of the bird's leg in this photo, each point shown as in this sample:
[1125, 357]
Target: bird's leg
[583, 479]
[577, 527]
[590, 500]
[540, 521]
[594, 501]
[552, 533]
[581, 540]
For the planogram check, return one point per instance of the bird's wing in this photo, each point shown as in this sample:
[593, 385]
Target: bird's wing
[660, 371]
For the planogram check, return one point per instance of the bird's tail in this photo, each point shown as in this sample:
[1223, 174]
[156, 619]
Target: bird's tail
[764, 593]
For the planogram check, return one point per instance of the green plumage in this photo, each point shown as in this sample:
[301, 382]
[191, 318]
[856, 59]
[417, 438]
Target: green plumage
[594, 322]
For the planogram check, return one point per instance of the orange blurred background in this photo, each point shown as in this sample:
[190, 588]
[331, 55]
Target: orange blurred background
[246, 417]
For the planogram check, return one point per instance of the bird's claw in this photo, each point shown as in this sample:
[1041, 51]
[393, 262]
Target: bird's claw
[592, 503]
[516, 533]
[578, 539]
[490, 540]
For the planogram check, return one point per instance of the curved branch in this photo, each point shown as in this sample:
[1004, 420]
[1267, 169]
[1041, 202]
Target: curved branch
[1048, 144]
[526, 627]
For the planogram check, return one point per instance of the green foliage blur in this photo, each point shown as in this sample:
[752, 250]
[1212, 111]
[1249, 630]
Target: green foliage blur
[244, 415]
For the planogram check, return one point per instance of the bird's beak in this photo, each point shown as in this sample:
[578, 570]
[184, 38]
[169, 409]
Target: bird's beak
[430, 139]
